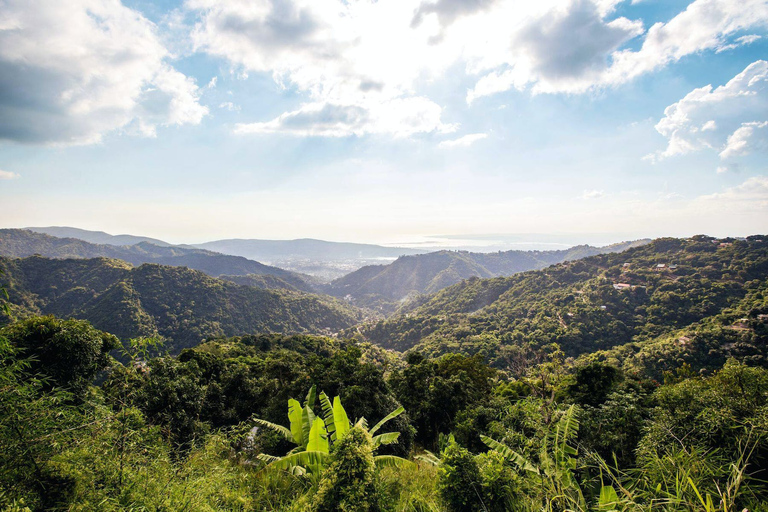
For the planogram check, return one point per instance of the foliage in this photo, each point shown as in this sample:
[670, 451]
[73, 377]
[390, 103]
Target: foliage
[347, 484]
[69, 352]
[316, 436]
[181, 305]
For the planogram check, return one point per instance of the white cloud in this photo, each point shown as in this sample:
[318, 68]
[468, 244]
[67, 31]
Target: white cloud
[70, 72]
[593, 194]
[731, 119]
[463, 142]
[352, 55]
[8, 175]
[741, 41]
[572, 46]
[228, 105]
[752, 195]
[400, 117]
[747, 138]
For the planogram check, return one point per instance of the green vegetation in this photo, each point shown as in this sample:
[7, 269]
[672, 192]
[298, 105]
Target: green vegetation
[21, 243]
[181, 305]
[671, 415]
[707, 303]
[386, 287]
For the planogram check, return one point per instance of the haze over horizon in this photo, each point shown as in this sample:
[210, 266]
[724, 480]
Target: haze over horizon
[397, 123]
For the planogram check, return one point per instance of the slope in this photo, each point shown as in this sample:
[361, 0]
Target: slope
[386, 287]
[20, 243]
[185, 306]
[584, 306]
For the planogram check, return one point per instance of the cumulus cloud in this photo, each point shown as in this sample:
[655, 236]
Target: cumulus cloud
[70, 72]
[731, 119]
[463, 142]
[8, 175]
[354, 55]
[582, 31]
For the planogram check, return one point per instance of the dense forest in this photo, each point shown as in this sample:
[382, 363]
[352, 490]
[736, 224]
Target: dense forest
[635, 381]
[182, 306]
[385, 288]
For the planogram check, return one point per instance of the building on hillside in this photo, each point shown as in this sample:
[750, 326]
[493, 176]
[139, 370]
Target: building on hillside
[622, 286]
[660, 267]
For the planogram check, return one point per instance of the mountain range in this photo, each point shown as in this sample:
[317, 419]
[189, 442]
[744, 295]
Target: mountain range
[649, 309]
[387, 287]
[20, 243]
[183, 306]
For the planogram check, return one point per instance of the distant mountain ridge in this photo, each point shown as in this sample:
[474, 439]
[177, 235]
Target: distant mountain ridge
[182, 305]
[271, 250]
[384, 287]
[20, 243]
[96, 237]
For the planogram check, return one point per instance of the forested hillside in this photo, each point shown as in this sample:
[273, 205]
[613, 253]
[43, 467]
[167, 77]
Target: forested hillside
[701, 299]
[20, 243]
[387, 287]
[185, 306]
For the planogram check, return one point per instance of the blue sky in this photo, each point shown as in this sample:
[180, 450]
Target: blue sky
[385, 121]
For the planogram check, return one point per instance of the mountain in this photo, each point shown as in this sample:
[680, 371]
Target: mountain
[182, 305]
[307, 248]
[319, 258]
[97, 237]
[385, 287]
[20, 243]
[699, 299]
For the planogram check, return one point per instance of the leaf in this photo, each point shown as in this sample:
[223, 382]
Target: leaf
[510, 454]
[389, 438]
[295, 417]
[330, 422]
[307, 419]
[318, 440]
[428, 457]
[394, 414]
[608, 498]
[310, 400]
[268, 459]
[304, 459]
[391, 461]
[340, 418]
[277, 428]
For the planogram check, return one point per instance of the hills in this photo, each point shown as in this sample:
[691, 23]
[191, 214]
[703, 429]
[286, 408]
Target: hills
[182, 305]
[327, 260]
[386, 287]
[653, 307]
[96, 237]
[20, 243]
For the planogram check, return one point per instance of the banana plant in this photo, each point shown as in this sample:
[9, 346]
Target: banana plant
[314, 436]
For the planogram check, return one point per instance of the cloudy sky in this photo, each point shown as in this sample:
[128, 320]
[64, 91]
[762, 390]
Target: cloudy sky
[385, 121]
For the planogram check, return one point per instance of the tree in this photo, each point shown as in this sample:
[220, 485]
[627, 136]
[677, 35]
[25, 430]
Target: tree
[69, 352]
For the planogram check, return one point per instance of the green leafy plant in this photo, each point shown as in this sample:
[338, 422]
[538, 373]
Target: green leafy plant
[315, 436]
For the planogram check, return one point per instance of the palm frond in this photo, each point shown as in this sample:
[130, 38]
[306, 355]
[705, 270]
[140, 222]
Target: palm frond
[428, 457]
[394, 414]
[510, 454]
[285, 432]
[388, 438]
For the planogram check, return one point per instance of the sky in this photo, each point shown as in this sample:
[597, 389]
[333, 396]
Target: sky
[385, 121]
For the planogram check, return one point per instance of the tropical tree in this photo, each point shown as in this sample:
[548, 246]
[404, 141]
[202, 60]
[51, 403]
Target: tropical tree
[316, 436]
